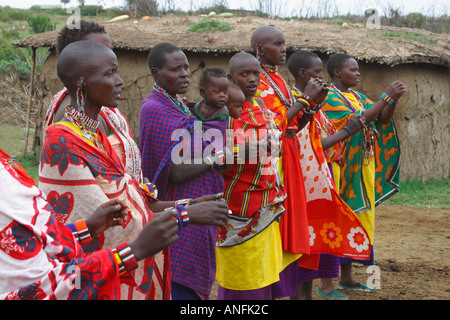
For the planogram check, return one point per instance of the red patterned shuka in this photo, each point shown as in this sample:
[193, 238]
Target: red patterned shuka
[78, 175]
[39, 256]
[252, 187]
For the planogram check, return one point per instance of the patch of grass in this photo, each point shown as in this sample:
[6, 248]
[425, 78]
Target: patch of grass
[13, 139]
[12, 142]
[30, 163]
[409, 36]
[208, 25]
[434, 193]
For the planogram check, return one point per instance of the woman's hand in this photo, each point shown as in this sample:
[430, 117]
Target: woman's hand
[111, 213]
[214, 213]
[355, 123]
[158, 234]
[396, 90]
[209, 197]
[316, 89]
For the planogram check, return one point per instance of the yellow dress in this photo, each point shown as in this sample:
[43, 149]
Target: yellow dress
[255, 263]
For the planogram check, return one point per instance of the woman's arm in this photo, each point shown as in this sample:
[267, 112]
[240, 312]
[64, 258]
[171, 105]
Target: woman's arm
[382, 108]
[354, 124]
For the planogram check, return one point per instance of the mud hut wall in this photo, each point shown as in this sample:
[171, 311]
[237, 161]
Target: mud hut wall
[422, 116]
[137, 82]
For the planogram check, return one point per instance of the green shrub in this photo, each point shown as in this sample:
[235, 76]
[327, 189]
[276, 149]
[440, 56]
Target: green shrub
[10, 57]
[91, 11]
[40, 24]
[208, 25]
[11, 14]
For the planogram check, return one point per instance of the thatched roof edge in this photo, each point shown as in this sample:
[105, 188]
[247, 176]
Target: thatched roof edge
[131, 36]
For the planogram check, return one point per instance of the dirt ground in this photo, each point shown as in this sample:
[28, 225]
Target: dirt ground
[412, 247]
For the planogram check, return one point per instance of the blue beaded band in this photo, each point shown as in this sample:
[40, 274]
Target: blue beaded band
[183, 216]
[388, 99]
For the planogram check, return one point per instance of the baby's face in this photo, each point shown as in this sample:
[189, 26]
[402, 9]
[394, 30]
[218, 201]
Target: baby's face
[235, 101]
[216, 92]
[235, 110]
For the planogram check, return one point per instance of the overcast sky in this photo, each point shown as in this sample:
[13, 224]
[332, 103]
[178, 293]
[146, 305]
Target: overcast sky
[285, 7]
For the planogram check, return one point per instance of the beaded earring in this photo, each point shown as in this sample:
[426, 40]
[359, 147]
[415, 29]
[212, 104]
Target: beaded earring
[81, 100]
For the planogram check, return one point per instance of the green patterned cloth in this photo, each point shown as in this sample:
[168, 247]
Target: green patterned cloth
[386, 153]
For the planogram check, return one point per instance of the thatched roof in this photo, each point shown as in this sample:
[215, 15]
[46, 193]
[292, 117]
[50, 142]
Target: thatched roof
[388, 45]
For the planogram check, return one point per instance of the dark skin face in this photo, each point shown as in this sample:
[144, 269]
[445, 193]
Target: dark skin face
[174, 75]
[347, 76]
[271, 48]
[102, 38]
[236, 99]
[215, 92]
[314, 70]
[100, 82]
[246, 74]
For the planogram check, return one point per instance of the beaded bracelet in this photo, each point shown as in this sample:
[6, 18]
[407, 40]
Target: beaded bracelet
[220, 157]
[348, 129]
[309, 100]
[83, 233]
[119, 261]
[183, 202]
[127, 257]
[388, 99]
[183, 216]
[150, 188]
[304, 102]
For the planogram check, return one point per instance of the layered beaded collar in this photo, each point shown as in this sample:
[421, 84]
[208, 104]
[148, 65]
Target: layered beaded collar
[268, 67]
[87, 125]
[369, 133]
[287, 101]
[175, 100]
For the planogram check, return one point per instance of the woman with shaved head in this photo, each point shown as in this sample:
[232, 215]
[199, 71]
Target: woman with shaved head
[292, 114]
[111, 121]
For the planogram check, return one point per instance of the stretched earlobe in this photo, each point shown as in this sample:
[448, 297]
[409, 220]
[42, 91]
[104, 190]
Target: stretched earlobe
[259, 51]
[81, 95]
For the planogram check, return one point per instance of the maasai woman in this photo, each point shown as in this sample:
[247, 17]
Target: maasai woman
[269, 45]
[370, 158]
[111, 121]
[40, 258]
[305, 65]
[179, 159]
[251, 263]
[79, 167]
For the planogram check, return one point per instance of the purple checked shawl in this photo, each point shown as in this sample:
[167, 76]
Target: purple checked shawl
[192, 257]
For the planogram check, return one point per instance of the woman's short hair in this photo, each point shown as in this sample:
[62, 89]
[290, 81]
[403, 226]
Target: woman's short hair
[300, 59]
[157, 55]
[68, 35]
[335, 62]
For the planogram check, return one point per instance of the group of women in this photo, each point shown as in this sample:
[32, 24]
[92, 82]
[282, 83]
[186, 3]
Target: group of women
[155, 235]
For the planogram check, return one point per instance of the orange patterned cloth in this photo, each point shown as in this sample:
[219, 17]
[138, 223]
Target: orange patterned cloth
[276, 94]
